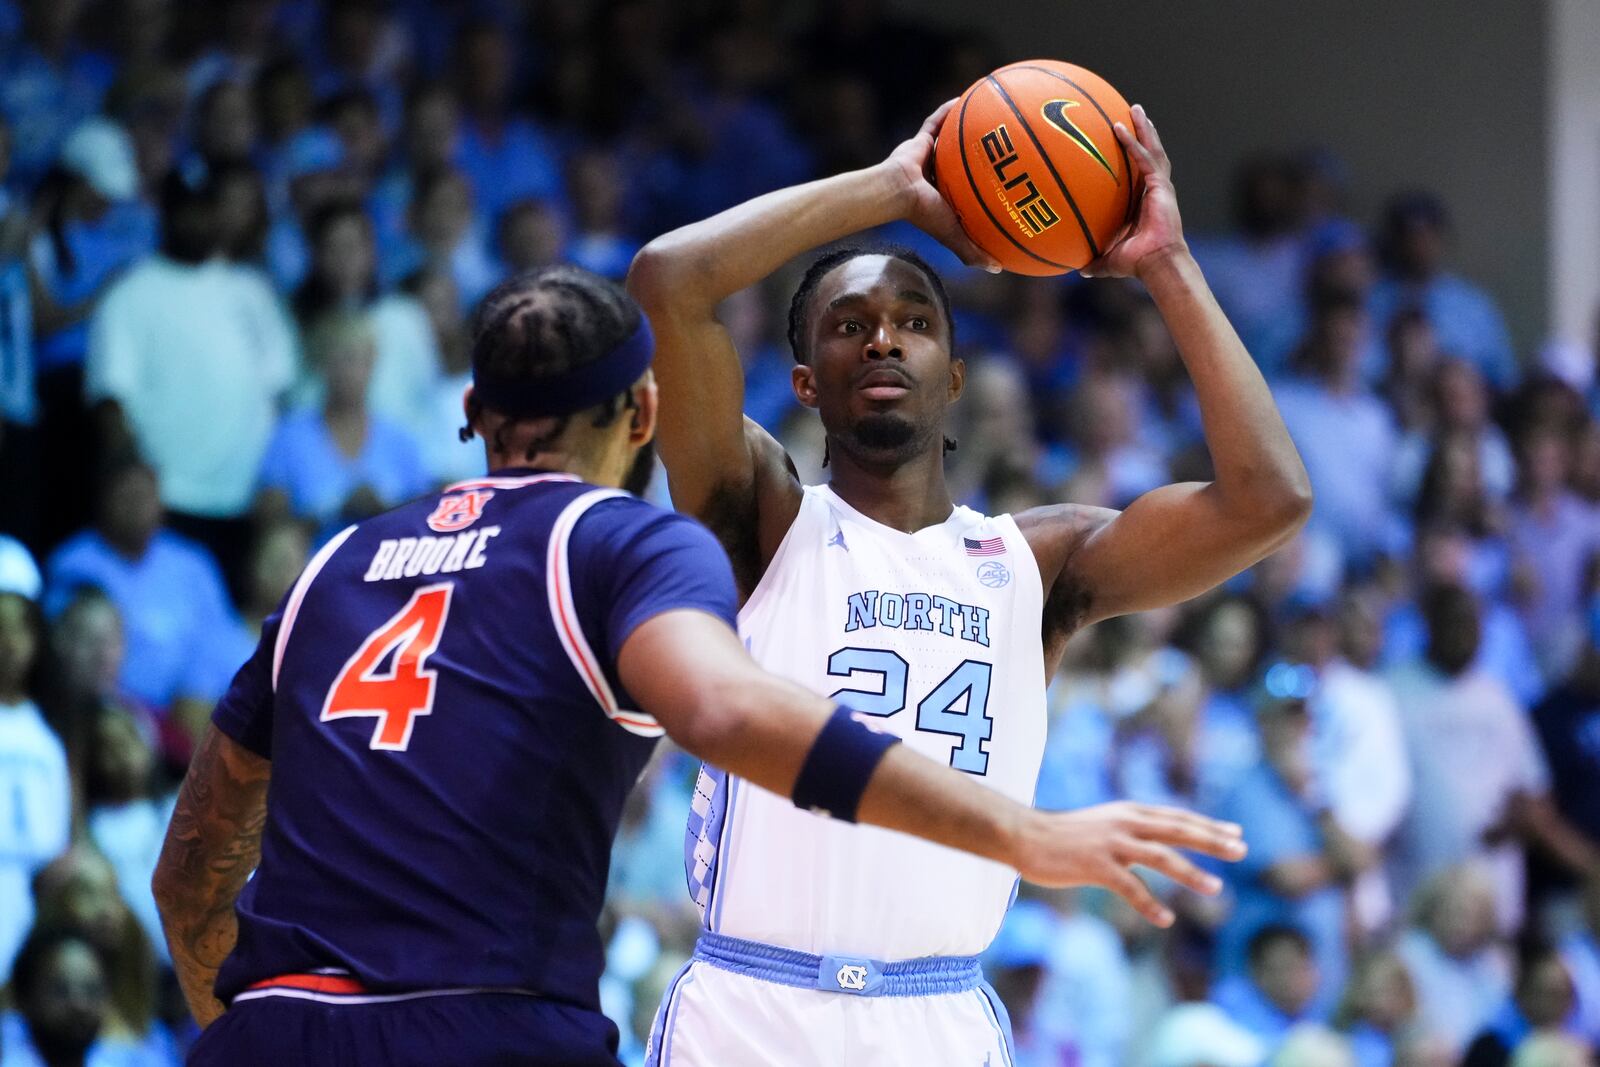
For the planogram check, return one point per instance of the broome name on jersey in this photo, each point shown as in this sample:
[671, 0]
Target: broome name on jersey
[407, 557]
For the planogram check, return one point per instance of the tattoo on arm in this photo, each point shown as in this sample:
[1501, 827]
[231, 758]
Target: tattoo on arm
[212, 846]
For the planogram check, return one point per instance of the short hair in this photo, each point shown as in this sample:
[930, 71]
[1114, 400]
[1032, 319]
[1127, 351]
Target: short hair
[1262, 940]
[548, 322]
[828, 260]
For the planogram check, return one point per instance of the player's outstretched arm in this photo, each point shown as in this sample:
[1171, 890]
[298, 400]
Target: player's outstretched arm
[1180, 540]
[689, 670]
[681, 277]
[212, 845]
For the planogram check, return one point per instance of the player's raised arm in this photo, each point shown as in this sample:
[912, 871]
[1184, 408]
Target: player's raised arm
[1179, 540]
[681, 277]
[717, 703]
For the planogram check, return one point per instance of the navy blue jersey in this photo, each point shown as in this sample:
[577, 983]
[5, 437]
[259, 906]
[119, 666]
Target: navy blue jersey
[451, 745]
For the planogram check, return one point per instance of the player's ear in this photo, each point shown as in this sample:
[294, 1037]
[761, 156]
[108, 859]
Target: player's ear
[804, 380]
[647, 407]
[469, 410]
[958, 378]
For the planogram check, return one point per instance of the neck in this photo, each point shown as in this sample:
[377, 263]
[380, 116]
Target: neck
[11, 692]
[591, 469]
[130, 548]
[340, 409]
[907, 496]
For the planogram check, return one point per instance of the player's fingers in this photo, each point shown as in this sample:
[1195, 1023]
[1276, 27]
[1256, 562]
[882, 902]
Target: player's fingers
[1141, 154]
[1178, 867]
[1150, 137]
[1204, 837]
[1130, 887]
[930, 125]
[1193, 818]
[952, 236]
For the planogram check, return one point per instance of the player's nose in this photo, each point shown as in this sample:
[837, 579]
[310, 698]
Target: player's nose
[882, 343]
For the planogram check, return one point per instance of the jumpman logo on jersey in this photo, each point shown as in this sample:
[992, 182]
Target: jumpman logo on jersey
[838, 539]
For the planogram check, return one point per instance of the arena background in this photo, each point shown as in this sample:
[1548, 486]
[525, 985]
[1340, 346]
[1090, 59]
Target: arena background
[1496, 106]
[1424, 891]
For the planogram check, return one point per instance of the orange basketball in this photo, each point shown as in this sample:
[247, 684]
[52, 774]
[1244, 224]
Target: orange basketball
[1033, 169]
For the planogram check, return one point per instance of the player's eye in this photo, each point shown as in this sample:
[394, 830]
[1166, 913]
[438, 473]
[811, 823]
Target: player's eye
[849, 326]
[917, 322]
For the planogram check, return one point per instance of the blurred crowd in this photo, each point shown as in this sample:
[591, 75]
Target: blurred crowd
[238, 244]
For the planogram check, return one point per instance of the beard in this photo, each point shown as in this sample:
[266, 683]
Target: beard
[887, 437]
[643, 469]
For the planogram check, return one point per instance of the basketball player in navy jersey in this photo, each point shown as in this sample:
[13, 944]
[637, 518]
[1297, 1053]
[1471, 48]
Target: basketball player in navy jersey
[450, 708]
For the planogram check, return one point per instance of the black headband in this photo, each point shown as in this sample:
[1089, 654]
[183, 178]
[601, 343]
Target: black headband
[577, 389]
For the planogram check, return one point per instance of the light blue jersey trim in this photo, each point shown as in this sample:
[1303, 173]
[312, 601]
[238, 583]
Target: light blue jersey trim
[925, 976]
[1001, 1019]
[660, 1033]
[724, 857]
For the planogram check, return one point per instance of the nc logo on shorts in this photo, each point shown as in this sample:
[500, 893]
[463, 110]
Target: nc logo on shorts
[852, 976]
[994, 574]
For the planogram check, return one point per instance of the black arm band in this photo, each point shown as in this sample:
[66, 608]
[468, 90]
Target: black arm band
[840, 764]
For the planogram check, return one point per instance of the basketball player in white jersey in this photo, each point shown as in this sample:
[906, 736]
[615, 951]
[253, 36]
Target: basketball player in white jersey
[826, 943]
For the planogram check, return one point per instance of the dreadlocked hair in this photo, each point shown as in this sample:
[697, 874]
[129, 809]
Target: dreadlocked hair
[546, 323]
[828, 260]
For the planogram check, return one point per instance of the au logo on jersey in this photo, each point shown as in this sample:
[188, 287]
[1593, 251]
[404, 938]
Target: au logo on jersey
[1055, 113]
[1017, 192]
[459, 510]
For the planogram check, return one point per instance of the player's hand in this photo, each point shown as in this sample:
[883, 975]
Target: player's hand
[1157, 230]
[912, 162]
[1101, 845]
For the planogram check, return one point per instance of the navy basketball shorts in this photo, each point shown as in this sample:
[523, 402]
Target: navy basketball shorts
[474, 1030]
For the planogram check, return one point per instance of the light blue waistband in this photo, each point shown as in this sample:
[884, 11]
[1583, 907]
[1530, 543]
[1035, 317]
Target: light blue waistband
[924, 977]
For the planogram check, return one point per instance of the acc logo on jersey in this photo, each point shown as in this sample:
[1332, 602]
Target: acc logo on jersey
[994, 574]
[459, 510]
[851, 976]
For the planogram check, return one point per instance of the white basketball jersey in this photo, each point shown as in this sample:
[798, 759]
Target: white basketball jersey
[938, 632]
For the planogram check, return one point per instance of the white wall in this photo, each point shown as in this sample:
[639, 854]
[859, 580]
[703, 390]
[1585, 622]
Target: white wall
[1447, 94]
[1574, 135]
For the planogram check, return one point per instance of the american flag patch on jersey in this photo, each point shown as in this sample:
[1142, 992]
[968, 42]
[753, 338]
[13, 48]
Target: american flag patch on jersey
[989, 546]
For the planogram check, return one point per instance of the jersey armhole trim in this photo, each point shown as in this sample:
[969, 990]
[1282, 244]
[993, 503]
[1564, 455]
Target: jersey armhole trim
[753, 601]
[298, 596]
[564, 613]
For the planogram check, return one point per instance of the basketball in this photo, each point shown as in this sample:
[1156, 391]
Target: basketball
[1030, 164]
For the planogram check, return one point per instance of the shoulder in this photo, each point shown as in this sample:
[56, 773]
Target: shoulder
[750, 513]
[127, 294]
[175, 546]
[621, 521]
[83, 550]
[294, 428]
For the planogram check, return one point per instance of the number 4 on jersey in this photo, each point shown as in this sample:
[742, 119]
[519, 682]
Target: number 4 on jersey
[397, 696]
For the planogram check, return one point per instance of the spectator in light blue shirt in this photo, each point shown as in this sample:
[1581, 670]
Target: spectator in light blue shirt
[505, 157]
[1281, 989]
[169, 591]
[1380, 1005]
[447, 233]
[49, 83]
[1301, 862]
[340, 463]
[1344, 433]
[63, 998]
[35, 794]
[1466, 320]
[95, 226]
